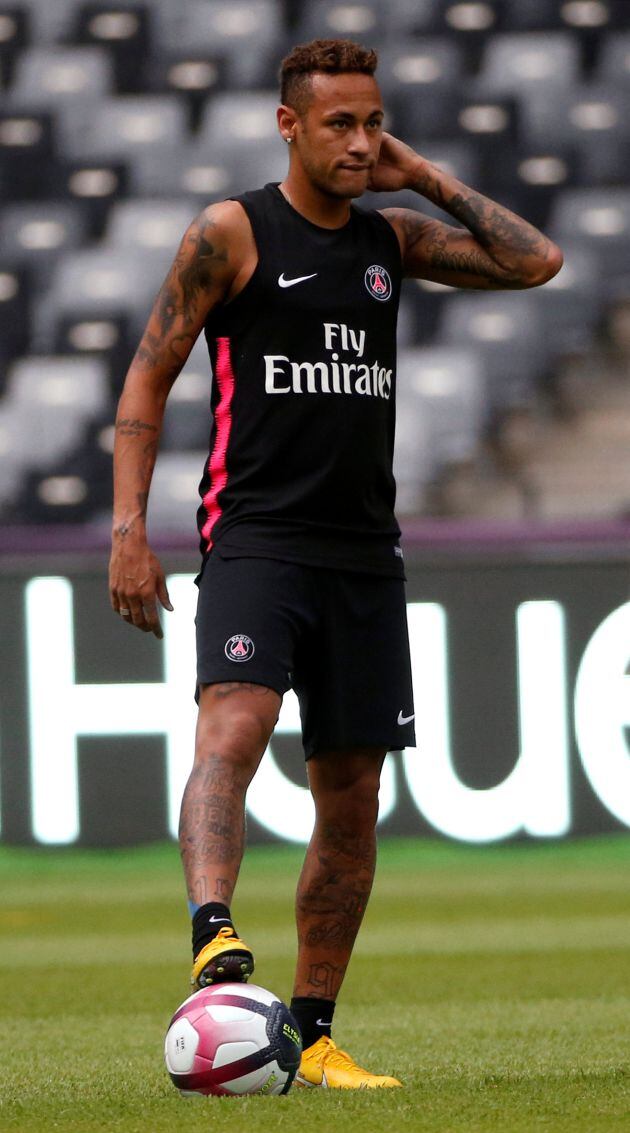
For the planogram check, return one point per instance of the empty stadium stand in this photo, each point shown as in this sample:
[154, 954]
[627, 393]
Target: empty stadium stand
[120, 121]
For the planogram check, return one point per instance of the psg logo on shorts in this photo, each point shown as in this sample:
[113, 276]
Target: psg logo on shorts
[240, 647]
[378, 282]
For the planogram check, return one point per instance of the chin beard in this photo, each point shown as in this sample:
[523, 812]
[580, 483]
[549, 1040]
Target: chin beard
[332, 190]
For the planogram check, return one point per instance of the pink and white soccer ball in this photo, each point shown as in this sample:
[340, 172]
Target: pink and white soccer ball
[232, 1039]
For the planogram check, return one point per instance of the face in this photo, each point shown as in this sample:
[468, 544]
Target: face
[338, 138]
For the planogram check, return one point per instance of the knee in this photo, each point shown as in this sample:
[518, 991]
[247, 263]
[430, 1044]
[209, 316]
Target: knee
[350, 802]
[238, 735]
[235, 734]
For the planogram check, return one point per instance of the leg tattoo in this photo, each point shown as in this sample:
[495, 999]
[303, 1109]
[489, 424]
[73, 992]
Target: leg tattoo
[212, 831]
[332, 895]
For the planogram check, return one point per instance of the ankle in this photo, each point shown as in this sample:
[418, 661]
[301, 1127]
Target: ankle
[206, 923]
[313, 1016]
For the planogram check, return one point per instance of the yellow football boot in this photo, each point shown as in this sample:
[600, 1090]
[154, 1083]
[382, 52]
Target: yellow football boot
[226, 959]
[323, 1064]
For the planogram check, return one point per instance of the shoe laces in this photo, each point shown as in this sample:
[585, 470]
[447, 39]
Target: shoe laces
[226, 933]
[334, 1056]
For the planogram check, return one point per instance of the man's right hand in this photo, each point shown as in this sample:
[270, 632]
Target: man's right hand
[137, 583]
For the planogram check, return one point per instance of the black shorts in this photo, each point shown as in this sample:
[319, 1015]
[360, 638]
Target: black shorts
[338, 638]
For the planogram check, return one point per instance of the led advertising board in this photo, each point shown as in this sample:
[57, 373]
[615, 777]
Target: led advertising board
[522, 700]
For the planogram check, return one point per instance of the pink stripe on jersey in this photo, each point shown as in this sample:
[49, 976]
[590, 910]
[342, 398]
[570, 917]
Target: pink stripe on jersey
[217, 466]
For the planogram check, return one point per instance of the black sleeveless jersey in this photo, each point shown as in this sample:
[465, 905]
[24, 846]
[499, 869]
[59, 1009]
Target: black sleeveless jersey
[303, 398]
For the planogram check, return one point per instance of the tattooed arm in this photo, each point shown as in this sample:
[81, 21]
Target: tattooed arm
[214, 253]
[495, 249]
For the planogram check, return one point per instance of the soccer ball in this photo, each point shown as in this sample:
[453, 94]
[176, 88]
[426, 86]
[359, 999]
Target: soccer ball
[232, 1039]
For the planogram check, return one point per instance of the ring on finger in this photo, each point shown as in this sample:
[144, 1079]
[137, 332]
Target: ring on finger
[124, 613]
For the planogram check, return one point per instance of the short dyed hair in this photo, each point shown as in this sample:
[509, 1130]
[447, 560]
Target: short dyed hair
[330, 56]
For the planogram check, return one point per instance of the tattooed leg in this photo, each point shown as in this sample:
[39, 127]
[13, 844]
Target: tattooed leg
[235, 722]
[338, 871]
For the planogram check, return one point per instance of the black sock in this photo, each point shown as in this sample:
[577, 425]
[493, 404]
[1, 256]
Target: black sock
[206, 923]
[313, 1016]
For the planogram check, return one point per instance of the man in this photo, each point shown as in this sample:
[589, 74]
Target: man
[302, 577]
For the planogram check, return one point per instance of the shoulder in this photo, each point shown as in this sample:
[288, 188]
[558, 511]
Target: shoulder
[227, 219]
[225, 227]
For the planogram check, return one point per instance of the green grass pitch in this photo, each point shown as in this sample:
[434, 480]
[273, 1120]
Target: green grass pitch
[494, 981]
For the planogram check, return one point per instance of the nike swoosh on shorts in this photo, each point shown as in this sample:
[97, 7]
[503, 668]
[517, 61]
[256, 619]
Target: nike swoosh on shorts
[405, 719]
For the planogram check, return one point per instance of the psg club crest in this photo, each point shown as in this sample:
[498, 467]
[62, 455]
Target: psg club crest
[240, 647]
[378, 282]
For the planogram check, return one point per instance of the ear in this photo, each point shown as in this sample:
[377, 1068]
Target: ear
[287, 119]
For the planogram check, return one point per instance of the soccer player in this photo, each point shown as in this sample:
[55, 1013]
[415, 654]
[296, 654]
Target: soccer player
[302, 579]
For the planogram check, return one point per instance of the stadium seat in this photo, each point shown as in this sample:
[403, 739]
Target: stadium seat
[406, 18]
[104, 336]
[192, 75]
[600, 219]
[26, 152]
[52, 398]
[469, 23]
[580, 16]
[571, 304]
[74, 488]
[413, 459]
[238, 119]
[190, 172]
[51, 21]
[449, 383]
[415, 69]
[124, 30]
[77, 385]
[440, 399]
[361, 20]
[14, 453]
[37, 233]
[531, 178]
[425, 301]
[574, 116]
[52, 498]
[96, 185]
[512, 63]
[613, 65]
[489, 123]
[459, 158]
[109, 282]
[15, 313]
[247, 33]
[174, 495]
[46, 76]
[251, 152]
[506, 331]
[593, 119]
[117, 128]
[154, 224]
[256, 165]
[14, 36]
[468, 17]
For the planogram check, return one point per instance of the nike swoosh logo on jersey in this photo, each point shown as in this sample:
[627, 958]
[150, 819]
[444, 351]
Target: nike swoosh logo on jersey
[282, 282]
[405, 719]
